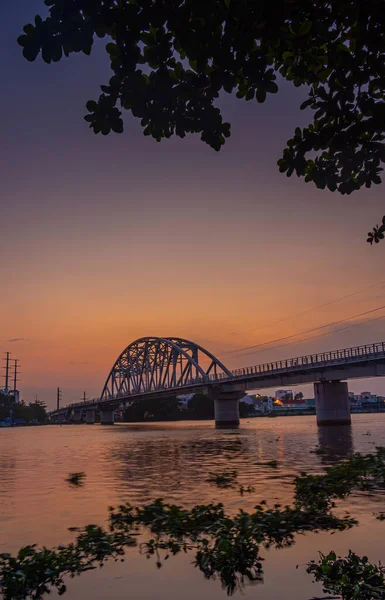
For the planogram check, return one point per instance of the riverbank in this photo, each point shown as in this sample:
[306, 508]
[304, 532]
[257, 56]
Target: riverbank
[12, 425]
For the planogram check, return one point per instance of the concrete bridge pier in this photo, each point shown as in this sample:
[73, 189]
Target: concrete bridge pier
[90, 416]
[226, 405]
[106, 416]
[332, 403]
[77, 416]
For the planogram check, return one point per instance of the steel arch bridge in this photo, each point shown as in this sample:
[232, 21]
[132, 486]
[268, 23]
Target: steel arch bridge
[153, 363]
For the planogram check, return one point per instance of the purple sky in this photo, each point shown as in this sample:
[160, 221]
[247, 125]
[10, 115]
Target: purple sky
[107, 239]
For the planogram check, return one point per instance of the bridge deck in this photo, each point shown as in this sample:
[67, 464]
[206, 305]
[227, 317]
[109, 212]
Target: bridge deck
[346, 356]
[348, 363]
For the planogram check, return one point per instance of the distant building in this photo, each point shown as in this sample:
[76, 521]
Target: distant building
[267, 404]
[287, 408]
[184, 400]
[284, 395]
[355, 399]
[370, 400]
[260, 403]
[294, 402]
[248, 399]
[373, 403]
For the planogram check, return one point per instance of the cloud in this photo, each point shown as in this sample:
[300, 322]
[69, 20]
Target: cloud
[21, 339]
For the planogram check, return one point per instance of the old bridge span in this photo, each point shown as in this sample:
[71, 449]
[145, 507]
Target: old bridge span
[154, 366]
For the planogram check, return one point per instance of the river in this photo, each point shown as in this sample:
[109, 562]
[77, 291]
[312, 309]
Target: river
[140, 462]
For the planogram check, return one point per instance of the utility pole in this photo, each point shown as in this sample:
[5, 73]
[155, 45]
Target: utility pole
[15, 379]
[58, 398]
[84, 397]
[6, 389]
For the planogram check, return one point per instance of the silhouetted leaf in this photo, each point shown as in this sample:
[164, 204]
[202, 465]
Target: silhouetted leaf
[332, 48]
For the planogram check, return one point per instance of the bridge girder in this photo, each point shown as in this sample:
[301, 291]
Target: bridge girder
[153, 363]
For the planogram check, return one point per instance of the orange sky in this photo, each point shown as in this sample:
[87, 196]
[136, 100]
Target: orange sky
[104, 240]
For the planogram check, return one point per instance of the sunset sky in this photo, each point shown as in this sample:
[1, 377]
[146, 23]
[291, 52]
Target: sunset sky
[108, 239]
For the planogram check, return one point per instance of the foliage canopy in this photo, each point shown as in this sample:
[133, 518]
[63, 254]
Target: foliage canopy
[32, 412]
[172, 58]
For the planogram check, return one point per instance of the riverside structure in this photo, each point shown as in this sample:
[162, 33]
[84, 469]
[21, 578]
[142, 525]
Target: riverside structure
[154, 366]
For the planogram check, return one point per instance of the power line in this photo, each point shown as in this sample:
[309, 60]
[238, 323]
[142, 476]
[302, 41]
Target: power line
[304, 312]
[288, 337]
[312, 337]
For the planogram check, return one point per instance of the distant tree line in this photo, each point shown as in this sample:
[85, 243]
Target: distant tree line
[33, 412]
[171, 408]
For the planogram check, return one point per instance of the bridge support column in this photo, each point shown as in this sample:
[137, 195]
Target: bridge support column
[332, 403]
[226, 411]
[90, 416]
[107, 416]
[226, 405]
[77, 416]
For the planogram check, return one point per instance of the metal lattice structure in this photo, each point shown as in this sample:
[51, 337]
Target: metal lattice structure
[152, 363]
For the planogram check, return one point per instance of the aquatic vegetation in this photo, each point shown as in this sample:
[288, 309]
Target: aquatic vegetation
[76, 479]
[364, 472]
[228, 479]
[225, 546]
[320, 450]
[225, 479]
[245, 490]
[351, 578]
[34, 572]
[272, 464]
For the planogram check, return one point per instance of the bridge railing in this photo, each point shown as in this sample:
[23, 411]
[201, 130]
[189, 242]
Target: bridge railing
[357, 353]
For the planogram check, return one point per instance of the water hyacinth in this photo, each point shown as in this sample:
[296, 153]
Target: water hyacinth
[226, 547]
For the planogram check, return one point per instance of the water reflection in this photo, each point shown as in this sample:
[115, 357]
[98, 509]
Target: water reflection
[155, 461]
[8, 479]
[158, 467]
[337, 441]
[137, 464]
[7, 468]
